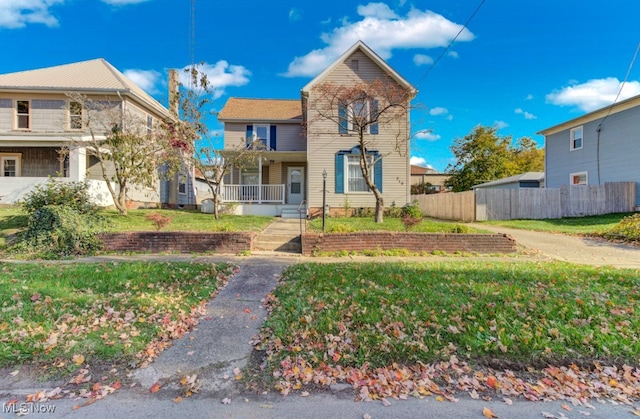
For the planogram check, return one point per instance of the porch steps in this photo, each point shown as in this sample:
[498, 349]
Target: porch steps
[281, 235]
[292, 213]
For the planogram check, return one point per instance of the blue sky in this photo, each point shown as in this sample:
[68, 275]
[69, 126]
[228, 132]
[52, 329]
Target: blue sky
[521, 66]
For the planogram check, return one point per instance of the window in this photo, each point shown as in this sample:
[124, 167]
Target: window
[182, 188]
[578, 178]
[265, 133]
[349, 178]
[576, 138]
[361, 113]
[355, 182]
[354, 64]
[22, 113]
[75, 115]
[10, 165]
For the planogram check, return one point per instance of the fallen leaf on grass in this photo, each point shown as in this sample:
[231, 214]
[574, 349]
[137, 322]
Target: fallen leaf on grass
[492, 382]
[78, 359]
[488, 413]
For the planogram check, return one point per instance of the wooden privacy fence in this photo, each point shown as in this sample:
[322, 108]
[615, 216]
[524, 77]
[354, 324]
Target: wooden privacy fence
[530, 203]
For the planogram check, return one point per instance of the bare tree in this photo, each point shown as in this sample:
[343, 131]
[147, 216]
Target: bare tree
[128, 149]
[361, 110]
[213, 162]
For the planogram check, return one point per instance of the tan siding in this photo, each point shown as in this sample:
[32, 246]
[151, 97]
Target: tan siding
[324, 142]
[288, 136]
[275, 174]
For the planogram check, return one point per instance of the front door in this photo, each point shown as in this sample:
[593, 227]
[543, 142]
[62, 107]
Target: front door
[295, 185]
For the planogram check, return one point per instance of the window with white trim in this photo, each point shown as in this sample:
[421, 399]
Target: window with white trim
[576, 138]
[22, 114]
[360, 113]
[10, 165]
[579, 178]
[354, 180]
[75, 115]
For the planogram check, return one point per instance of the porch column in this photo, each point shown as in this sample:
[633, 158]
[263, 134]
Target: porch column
[78, 164]
[260, 180]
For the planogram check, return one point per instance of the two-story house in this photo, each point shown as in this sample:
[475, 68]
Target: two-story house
[310, 159]
[43, 111]
[598, 147]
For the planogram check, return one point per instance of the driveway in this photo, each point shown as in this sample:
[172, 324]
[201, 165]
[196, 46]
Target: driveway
[576, 249]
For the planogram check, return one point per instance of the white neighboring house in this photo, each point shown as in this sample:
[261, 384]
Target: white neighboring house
[38, 117]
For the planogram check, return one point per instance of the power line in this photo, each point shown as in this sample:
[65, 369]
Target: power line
[475, 12]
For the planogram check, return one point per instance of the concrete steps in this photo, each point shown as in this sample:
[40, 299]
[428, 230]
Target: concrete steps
[282, 235]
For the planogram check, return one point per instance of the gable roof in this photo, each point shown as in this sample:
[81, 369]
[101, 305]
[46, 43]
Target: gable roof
[528, 176]
[623, 105]
[241, 109]
[372, 56]
[92, 76]
[419, 170]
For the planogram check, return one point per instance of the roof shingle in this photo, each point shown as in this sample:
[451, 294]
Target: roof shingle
[261, 109]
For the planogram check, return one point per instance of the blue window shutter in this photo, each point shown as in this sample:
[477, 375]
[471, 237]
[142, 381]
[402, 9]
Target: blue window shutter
[377, 171]
[342, 118]
[339, 173]
[249, 134]
[272, 137]
[373, 128]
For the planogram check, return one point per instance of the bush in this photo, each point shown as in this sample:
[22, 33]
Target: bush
[62, 220]
[628, 229]
[340, 228]
[59, 230]
[73, 195]
[460, 228]
[158, 220]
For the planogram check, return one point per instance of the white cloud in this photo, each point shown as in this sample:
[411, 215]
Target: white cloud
[438, 110]
[377, 10]
[419, 161]
[453, 54]
[295, 14]
[500, 124]
[421, 59]
[145, 79]
[526, 114]
[593, 94]
[529, 97]
[427, 135]
[123, 2]
[382, 30]
[18, 13]
[220, 75]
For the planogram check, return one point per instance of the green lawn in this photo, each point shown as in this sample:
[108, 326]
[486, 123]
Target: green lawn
[576, 225]
[326, 319]
[59, 314]
[353, 224]
[12, 219]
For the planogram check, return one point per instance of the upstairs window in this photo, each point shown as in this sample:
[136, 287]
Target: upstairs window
[75, 115]
[361, 113]
[266, 134]
[576, 138]
[22, 114]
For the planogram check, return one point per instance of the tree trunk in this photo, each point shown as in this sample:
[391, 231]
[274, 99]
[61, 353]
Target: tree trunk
[216, 205]
[121, 202]
[379, 206]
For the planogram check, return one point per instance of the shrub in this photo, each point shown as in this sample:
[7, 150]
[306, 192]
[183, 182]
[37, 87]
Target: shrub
[59, 230]
[73, 195]
[460, 228]
[159, 221]
[409, 221]
[628, 229]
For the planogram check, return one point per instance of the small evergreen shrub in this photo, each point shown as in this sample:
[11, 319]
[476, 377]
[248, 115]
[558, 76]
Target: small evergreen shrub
[73, 195]
[62, 221]
[628, 229]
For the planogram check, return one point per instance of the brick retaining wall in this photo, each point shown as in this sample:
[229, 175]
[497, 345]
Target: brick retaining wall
[178, 241]
[413, 242]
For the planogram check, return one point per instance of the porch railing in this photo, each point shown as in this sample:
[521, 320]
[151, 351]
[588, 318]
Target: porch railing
[253, 193]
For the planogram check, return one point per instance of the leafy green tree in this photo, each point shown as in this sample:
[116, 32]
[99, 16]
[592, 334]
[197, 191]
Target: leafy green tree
[483, 156]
